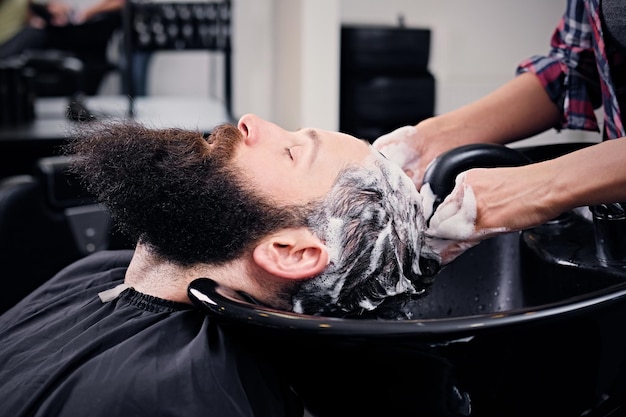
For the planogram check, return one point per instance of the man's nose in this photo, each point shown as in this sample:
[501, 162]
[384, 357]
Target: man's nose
[247, 125]
[256, 130]
[250, 127]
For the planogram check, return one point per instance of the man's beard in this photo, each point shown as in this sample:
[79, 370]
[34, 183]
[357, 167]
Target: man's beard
[223, 141]
[177, 191]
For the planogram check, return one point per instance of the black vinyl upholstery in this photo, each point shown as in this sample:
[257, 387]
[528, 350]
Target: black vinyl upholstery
[47, 221]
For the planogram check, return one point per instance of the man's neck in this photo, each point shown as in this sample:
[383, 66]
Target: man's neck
[149, 274]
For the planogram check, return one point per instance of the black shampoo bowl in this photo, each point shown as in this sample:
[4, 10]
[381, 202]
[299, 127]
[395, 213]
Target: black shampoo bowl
[520, 325]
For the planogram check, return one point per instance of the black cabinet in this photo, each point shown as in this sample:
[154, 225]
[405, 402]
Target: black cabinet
[385, 82]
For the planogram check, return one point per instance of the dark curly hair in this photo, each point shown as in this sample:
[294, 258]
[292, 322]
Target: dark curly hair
[170, 190]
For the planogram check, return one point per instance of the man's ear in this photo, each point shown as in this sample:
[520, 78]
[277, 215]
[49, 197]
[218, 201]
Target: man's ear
[292, 253]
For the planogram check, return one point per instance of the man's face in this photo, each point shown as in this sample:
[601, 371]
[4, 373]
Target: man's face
[368, 213]
[294, 167]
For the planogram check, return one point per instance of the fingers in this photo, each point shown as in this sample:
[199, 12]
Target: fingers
[451, 230]
[455, 218]
[60, 13]
[37, 22]
[397, 135]
[453, 227]
[396, 145]
[428, 201]
[400, 147]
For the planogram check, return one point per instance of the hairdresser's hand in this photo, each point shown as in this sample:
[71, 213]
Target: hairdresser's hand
[452, 229]
[60, 13]
[485, 203]
[413, 148]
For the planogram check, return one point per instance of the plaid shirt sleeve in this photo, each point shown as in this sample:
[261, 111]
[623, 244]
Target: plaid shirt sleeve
[569, 73]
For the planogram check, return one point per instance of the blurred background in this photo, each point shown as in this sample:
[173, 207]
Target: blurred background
[286, 53]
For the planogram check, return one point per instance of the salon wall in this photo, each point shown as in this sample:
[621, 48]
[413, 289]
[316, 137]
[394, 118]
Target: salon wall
[476, 45]
[286, 57]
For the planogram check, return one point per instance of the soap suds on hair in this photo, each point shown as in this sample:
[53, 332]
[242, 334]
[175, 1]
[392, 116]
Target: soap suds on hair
[373, 226]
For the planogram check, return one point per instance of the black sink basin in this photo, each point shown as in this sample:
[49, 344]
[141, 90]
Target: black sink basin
[524, 324]
[517, 273]
[505, 331]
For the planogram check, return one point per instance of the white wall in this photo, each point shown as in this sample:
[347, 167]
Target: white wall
[286, 53]
[476, 45]
[306, 82]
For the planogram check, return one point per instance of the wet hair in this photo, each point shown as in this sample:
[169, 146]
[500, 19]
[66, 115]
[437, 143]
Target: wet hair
[373, 224]
[170, 190]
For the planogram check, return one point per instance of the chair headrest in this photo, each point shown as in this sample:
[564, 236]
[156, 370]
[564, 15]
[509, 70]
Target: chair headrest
[62, 188]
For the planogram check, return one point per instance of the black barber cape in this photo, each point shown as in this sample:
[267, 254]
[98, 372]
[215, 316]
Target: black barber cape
[64, 352]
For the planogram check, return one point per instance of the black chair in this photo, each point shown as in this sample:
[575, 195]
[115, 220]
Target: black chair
[72, 62]
[77, 59]
[150, 27]
[47, 221]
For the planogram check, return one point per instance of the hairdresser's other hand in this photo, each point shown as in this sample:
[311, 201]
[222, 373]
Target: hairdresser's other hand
[485, 203]
[413, 148]
[60, 13]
